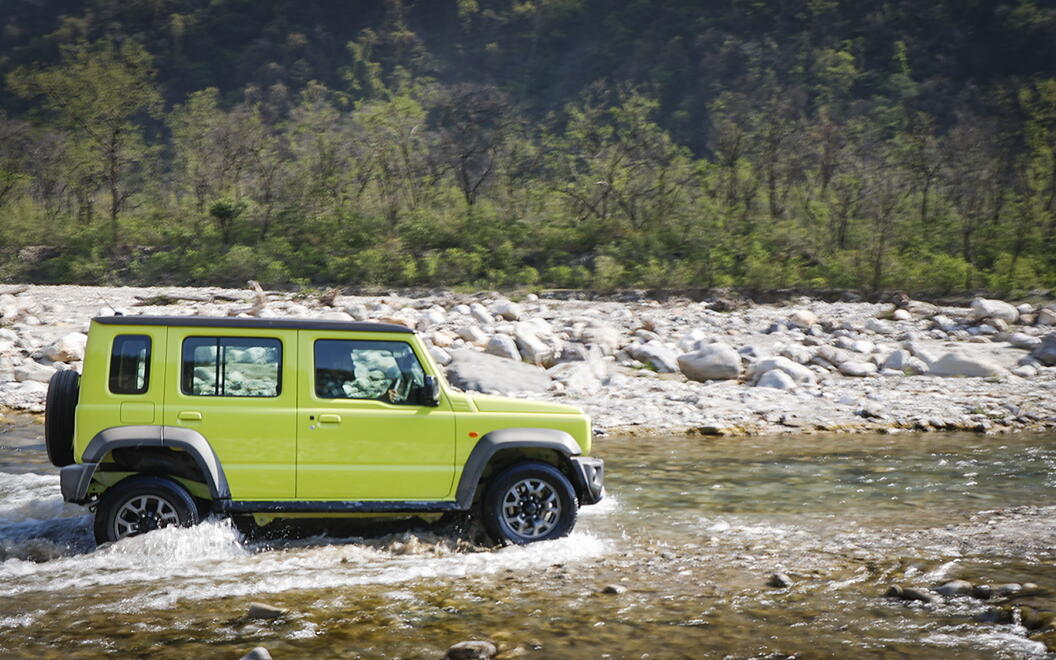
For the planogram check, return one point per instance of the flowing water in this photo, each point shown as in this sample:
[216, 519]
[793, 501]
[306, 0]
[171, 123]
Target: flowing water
[686, 540]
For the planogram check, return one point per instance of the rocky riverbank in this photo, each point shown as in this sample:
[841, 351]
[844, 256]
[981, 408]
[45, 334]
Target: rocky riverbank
[678, 366]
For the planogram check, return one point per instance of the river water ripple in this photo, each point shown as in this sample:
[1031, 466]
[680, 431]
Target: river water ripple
[686, 541]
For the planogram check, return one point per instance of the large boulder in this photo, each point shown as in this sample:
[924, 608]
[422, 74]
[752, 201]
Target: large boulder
[711, 362]
[657, 354]
[797, 372]
[68, 348]
[33, 371]
[776, 379]
[509, 311]
[606, 337]
[958, 363]
[983, 308]
[1046, 353]
[481, 372]
[535, 345]
[503, 346]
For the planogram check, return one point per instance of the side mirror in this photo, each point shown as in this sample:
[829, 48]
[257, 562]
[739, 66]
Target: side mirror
[431, 391]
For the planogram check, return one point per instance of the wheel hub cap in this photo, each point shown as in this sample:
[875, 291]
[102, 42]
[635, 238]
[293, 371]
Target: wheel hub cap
[144, 513]
[531, 508]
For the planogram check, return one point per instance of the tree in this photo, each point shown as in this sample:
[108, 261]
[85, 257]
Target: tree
[97, 92]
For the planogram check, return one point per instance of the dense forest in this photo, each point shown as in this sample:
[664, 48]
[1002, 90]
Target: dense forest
[564, 143]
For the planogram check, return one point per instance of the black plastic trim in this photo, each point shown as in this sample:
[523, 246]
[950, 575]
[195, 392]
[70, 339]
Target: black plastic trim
[74, 481]
[588, 475]
[512, 438]
[241, 506]
[175, 437]
[268, 324]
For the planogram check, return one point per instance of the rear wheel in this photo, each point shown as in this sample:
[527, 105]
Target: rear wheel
[529, 502]
[142, 504]
[61, 404]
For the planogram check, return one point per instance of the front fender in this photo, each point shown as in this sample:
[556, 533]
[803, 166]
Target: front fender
[513, 438]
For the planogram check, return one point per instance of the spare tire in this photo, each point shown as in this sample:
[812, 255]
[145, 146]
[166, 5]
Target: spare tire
[58, 416]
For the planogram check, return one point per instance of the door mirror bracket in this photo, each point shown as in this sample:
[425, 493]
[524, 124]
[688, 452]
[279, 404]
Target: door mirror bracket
[431, 391]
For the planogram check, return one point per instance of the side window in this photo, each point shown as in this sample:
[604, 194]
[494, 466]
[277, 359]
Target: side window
[231, 366]
[130, 364]
[382, 370]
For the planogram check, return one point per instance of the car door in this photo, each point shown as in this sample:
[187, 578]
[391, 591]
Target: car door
[362, 433]
[236, 387]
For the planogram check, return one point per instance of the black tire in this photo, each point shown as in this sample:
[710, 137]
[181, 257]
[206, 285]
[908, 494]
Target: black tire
[529, 502]
[165, 503]
[59, 410]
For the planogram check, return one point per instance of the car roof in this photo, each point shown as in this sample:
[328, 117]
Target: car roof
[273, 324]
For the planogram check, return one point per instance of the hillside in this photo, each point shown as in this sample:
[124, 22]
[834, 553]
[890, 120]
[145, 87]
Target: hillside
[597, 143]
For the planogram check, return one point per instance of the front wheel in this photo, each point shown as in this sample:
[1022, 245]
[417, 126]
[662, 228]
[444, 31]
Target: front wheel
[142, 504]
[529, 502]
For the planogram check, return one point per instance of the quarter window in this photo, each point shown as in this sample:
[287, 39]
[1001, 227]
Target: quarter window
[130, 364]
[231, 366]
[381, 370]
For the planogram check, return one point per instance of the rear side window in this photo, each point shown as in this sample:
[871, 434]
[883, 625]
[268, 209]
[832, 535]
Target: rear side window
[231, 366]
[130, 364]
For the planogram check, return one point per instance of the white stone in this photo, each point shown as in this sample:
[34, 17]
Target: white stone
[880, 327]
[433, 316]
[802, 318]
[357, 311]
[34, 371]
[959, 363]
[508, 310]
[711, 362]
[532, 347]
[1025, 371]
[503, 346]
[472, 334]
[797, 372]
[662, 357]
[440, 356]
[1047, 316]
[68, 348]
[480, 314]
[776, 379]
[983, 308]
[1025, 308]
[858, 368]
[1024, 341]
[901, 315]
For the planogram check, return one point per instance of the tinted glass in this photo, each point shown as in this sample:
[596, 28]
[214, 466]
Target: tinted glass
[231, 366]
[381, 370]
[130, 364]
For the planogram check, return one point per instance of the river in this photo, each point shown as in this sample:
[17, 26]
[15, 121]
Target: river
[684, 545]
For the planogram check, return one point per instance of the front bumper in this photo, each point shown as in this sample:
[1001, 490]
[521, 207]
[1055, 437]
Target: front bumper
[590, 478]
[74, 481]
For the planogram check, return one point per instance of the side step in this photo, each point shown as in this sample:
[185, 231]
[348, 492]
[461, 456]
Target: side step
[243, 506]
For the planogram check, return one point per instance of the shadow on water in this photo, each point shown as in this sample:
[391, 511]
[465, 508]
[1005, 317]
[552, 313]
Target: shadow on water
[673, 564]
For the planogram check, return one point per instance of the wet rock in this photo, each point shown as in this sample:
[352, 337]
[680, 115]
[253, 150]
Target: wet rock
[70, 348]
[1003, 614]
[959, 363]
[259, 653]
[472, 650]
[1046, 352]
[655, 353]
[503, 346]
[779, 581]
[982, 591]
[776, 379]
[954, 588]
[1033, 619]
[983, 308]
[894, 591]
[802, 318]
[858, 368]
[614, 589]
[481, 372]
[1008, 589]
[921, 595]
[264, 611]
[711, 362]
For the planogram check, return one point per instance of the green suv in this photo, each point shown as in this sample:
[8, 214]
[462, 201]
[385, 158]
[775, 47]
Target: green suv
[178, 417]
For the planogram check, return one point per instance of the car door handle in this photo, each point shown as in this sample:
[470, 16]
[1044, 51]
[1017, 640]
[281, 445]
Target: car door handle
[329, 419]
[190, 416]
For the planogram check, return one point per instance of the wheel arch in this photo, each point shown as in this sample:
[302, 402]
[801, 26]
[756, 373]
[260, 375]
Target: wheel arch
[158, 441]
[502, 448]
